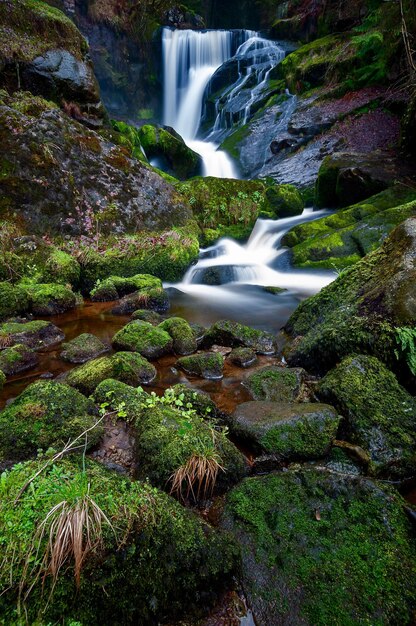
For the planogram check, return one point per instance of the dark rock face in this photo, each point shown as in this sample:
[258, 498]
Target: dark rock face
[57, 172]
[380, 414]
[308, 530]
[291, 430]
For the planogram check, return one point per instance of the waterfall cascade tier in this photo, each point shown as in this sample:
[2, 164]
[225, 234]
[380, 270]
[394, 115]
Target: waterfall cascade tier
[190, 59]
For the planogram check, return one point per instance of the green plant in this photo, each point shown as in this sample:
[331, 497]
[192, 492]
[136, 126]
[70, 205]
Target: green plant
[406, 346]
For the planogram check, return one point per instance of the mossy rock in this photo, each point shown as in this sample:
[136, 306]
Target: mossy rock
[181, 161]
[115, 287]
[166, 548]
[243, 357]
[83, 348]
[308, 530]
[114, 394]
[184, 341]
[130, 136]
[17, 358]
[379, 413]
[205, 364]
[37, 334]
[285, 201]
[144, 338]
[50, 299]
[46, 414]
[201, 401]
[13, 300]
[234, 335]
[361, 311]
[145, 315]
[2, 380]
[276, 384]
[155, 299]
[62, 268]
[132, 369]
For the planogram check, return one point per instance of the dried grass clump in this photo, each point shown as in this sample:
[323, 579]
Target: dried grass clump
[200, 472]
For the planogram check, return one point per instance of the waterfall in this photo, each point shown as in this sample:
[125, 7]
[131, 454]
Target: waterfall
[190, 58]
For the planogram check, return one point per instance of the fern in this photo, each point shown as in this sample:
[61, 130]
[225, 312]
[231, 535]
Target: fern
[406, 346]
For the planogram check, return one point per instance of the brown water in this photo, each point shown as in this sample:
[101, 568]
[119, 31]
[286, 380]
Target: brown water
[96, 318]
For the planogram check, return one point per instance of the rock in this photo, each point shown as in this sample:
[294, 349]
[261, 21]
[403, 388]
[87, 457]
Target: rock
[116, 393]
[294, 431]
[199, 332]
[181, 161]
[17, 358]
[275, 291]
[200, 400]
[144, 338]
[50, 299]
[285, 200]
[177, 17]
[173, 543]
[361, 311]
[155, 299]
[184, 341]
[147, 316]
[339, 461]
[132, 369]
[62, 268]
[233, 334]
[2, 380]
[379, 413]
[13, 300]
[206, 364]
[46, 414]
[83, 348]
[37, 334]
[243, 357]
[115, 287]
[276, 384]
[300, 531]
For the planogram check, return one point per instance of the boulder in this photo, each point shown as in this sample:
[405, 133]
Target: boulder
[291, 430]
[205, 364]
[285, 201]
[145, 315]
[379, 414]
[155, 299]
[83, 348]
[38, 334]
[233, 334]
[276, 384]
[308, 530]
[13, 300]
[181, 161]
[184, 341]
[46, 414]
[17, 358]
[137, 336]
[50, 299]
[115, 287]
[242, 357]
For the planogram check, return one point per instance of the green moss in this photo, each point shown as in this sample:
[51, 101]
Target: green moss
[183, 336]
[154, 548]
[276, 384]
[2, 379]
[17, 358]
[46, 414]
[115, 287]
[61, 268]
[144, 338]
[82, 348]
[284, 200]
[49, 298]
[13, 300]
[130, 137]
[206, 364]
[232, 142]
[233, 334]
[327, 548]
[379, 412]
[158, 142]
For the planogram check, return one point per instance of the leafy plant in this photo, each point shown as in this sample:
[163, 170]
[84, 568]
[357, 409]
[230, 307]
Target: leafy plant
[406, 346]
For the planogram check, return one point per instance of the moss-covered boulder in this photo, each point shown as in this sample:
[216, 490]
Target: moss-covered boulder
[37, 334]
[276, 384]
[13, 300]
[46, 414]
[17, 358]
[137, 336]
[129, 368]
[208, 365]
[50, 299]
[166, 145]
[146, 315]
[115, 394]
[184, 341]
[379, 413]
[150, 546]
[292, 431]
[155, 299]
[233, 334]
[243, 357]
[362, 311]
[323, 548]
[115, 287]
[62, 268]
[83, 348]
[200, 400]
[284, 201]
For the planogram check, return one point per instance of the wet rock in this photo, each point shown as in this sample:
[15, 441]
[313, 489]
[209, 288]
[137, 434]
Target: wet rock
[282, 144]
[177, 17]
[242, 357]
[379, 413]
[17, 358]
[145, 315]
[46, 414]
[206, 364]
[339, 461]
[200, 400]
[184, 341]
[276, 384]
[199, 332]
[154, 299]
[37, 334]
[285, 201]
[117, 393]
[115, 287]
[314, 529]
[233, 334]
[294, 431]
[50, 299]
[127, 367]
[83, 348]
[144, 338]
[182, 162]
